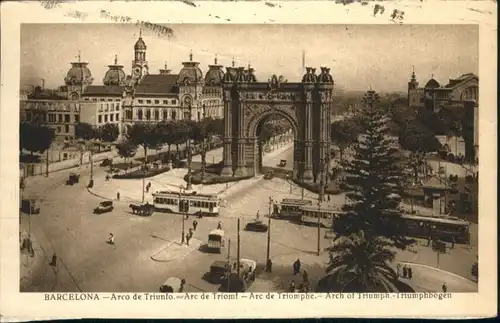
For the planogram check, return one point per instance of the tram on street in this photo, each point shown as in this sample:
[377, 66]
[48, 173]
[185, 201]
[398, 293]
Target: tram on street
[326, 215]
[290, 208]
[445, 227]
[186, 203]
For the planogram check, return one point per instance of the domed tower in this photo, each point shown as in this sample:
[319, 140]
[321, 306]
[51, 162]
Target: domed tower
[212, 91]
[191, 84]
[139, 64]
[77, 79]
[215, 75]
[413, 98]
[115, 75]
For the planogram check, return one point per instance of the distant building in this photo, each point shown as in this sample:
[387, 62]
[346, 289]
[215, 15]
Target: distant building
[63, 115]
[462, 92]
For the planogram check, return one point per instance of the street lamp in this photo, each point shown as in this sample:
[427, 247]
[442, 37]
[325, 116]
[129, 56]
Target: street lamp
[203, 147]
[181, 209]
[289, 179]
[268, 257]
[189, 156]
[321, 198]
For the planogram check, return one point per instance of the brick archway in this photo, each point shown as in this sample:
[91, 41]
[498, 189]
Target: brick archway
[306, 105]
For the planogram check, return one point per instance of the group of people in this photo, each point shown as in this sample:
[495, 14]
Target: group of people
[304, 285]
[190, 234]
[407, 271]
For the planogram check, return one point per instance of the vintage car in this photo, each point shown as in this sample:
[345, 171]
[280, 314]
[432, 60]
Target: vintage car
[106, 206]
[282, 163]
[142, 209]
[216, 240]
[269, 175]
[257, 226]
[235, 283]
[173, 285]
[107, 162]
[73, 178]
[219, 271]
[30, 206]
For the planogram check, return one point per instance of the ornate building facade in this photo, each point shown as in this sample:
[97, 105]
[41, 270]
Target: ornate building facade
[462, 92]
[149, 97]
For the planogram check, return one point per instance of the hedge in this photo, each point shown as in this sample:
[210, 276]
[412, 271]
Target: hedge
[139, 173]
[211, 178]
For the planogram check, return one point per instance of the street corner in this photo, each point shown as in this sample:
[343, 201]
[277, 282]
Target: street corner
[174, 250]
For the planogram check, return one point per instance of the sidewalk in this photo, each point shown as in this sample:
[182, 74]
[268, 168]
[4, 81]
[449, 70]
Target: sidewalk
[174, 250]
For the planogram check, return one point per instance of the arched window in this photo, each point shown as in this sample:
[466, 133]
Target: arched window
[139, 114]
[157, 114]
[174, 115]
[148, 114]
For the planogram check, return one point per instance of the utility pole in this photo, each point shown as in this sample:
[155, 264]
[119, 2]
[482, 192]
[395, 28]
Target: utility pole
[320, 200]
[189, 155]
[268, 257]
[181, 209]
[47, 168]
[228, 264]
[238, 249]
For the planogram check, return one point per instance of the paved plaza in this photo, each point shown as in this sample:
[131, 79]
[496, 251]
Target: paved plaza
[148, 250]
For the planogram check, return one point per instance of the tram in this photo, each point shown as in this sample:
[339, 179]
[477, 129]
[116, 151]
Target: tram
[290, 208]
[326, 215]
[447, 228]
[186, 203]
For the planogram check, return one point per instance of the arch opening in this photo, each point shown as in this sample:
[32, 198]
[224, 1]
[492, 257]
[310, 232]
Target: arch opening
[274, 134]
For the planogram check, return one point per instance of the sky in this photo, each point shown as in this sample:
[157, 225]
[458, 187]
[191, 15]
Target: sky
[359, 56]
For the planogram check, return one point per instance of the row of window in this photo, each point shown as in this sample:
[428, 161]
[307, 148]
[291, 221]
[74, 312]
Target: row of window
[59, 129]
[112, 118]
[109, 107]
[200, 204]
[173, 102]
[59, 118]
[102, 99]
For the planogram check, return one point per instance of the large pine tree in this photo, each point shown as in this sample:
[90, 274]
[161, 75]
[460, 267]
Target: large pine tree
[375, 179]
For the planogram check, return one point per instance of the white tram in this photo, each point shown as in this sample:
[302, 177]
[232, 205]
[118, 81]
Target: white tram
[326, 215]
[186, 203]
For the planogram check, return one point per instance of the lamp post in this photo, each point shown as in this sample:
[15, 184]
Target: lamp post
[290, 180]
[268, 256]
[182, 208]
[320, 199]
[203, 148]
[189, 156]
[302, 179]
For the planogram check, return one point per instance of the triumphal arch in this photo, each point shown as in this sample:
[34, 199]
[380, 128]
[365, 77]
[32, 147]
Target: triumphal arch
[306, 105]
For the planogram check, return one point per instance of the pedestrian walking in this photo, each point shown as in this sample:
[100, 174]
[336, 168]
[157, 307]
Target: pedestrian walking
[410, 272]
[195, 224]
[405, 271]
[296, 267]
[452, 242]
[111, 239]
[188, 237]
[117, 196]
[398, 269]
[269, 266]
[258, 215]
[291, 288]
[428, 241]
[305, 277]
[444, 287]
[219, 226]
[328, 197]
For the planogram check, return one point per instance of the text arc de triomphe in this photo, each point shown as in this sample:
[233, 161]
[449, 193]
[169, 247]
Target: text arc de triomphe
[306, 105]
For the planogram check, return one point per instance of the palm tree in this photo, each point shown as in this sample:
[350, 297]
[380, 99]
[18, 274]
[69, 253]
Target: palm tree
[361, 264]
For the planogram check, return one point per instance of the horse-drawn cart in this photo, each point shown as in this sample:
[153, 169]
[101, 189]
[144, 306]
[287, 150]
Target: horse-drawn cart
[142, 209]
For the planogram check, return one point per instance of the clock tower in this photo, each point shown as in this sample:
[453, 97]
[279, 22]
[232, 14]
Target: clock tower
[139, 64]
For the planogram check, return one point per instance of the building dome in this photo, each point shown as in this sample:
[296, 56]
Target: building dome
[325, 76]
[310, 76]
[140, 44]
[215, 75]
[432, 84]
[78, 74]
[115, 75]
[190, 72]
